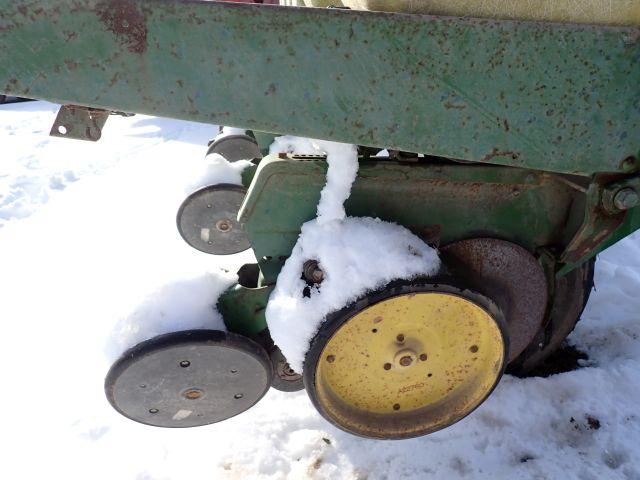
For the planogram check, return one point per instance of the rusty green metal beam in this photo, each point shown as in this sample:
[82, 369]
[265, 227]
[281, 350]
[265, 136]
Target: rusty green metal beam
[554, 97]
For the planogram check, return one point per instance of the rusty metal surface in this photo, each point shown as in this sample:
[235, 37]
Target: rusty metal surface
[441, 203]
[597, 226]
[554, 97]
[511, 277]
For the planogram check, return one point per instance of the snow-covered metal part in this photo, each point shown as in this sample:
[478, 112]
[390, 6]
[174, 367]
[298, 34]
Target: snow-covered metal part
[348, 268]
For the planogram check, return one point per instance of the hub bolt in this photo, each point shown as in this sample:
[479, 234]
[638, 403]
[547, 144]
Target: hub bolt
[626, 198]
[406, 361]
[312, 272]
[224, 225]
[192, 394]
[405, 357]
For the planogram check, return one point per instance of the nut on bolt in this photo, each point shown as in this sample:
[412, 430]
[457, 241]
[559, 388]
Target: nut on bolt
[312, 272]
[626, 198]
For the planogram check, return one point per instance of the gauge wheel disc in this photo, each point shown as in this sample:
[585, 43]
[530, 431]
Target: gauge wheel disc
[406, 361]
[189, 378]
[207, 220]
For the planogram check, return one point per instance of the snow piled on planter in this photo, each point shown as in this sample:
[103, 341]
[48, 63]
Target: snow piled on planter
[184, 304]
[87, 255]
[355, 254]
[293, 144]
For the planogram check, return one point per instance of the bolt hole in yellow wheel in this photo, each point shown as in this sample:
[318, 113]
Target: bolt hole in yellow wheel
[406, 361]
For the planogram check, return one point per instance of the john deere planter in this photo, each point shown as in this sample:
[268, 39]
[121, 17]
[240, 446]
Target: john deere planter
[513, 140]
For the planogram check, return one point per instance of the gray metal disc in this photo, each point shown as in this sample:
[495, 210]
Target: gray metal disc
[189, 379]
[207, 220]
[236, 147]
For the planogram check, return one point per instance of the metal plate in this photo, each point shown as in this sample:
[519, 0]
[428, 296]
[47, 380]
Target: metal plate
[236, 147]
[207, 220]
[79, 123]
[511, 277]
[189, 379]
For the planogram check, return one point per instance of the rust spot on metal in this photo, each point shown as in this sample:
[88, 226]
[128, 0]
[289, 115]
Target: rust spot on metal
[497, 153]
[449, 106]
[71, 65]
[430, 234]
[126, 21]
[193, 394]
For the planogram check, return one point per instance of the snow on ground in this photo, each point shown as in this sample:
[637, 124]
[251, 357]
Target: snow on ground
[76, 256]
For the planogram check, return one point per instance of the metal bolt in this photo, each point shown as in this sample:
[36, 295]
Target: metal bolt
[224, 225]
[153, 410]
[238, 396]
[331, 358]
[473, 348]
[387, 366]
[312, 271]
[406, 361]
[400, 338]
[626, 198]
[185, 363]
[396, 406]
[423, 357]
[193, 394]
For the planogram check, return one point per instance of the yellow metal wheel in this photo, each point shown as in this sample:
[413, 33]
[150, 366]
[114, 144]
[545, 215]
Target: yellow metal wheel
[407, 364]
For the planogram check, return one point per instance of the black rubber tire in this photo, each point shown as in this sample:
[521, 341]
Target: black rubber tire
[569, 298]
